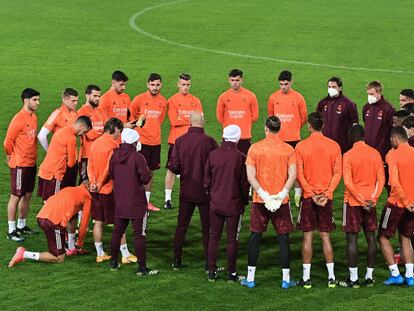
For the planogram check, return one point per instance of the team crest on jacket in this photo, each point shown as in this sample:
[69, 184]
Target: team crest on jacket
[367, 113]
[325, 108]
[379, 116]
[339, 109]
[244, 99]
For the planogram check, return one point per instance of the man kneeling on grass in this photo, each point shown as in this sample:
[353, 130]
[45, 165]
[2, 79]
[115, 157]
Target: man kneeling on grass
[59, 213]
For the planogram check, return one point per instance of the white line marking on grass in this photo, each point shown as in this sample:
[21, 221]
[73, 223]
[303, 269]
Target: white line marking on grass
[133, 25]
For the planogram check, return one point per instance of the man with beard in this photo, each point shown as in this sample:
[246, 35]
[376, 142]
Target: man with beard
[152, 106]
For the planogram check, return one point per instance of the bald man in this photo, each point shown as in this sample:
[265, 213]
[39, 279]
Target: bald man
[188, 159]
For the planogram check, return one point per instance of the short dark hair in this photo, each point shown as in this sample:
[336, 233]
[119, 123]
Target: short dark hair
[273, 124]
[112, 124]
[409, 107]
[84, 120]
[337, 80]
[408, 122]
[29, 93]
[119, 76]
[356, 133]
[184, 76]
[69, 92]
[407, 92]
[285, 75]
[235, 73]
[90, 88]
[315, 119]
[400, 114]
[399, 132]
[154, 77]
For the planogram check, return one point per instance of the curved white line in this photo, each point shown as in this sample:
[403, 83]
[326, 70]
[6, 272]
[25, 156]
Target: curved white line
[133, 25]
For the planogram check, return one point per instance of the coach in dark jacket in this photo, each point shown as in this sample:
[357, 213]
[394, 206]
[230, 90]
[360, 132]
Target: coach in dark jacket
[225, 181]
[187, 160]
[130, 173]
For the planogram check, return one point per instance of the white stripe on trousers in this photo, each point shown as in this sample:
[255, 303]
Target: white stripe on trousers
[386, 218]
[239, 227]
[19, 173]
[57, 186]
[345, 206]
[58, 239]
[144, 224]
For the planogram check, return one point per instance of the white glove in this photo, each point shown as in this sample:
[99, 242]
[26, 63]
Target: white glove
[273, 204]
[264, 195]
[281, 195]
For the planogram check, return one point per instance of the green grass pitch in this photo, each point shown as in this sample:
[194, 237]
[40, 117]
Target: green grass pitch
[50, 45]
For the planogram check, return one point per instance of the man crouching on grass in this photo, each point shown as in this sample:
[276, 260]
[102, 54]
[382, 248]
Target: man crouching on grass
[59, 212]
[130, 173]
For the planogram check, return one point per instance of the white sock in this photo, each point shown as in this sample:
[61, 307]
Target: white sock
[306, 271]
[353, 274]
[31, 255]
[168, 194]
[21, 223]
[408, 270]
[148, 194]
[124, 250]
[71, 240]
[79, 218]
[251, 271]
[286, 275]
[370, 272]
[12, 226]
[330, 267]
[99, 249]
[394, 270]
[298, 192]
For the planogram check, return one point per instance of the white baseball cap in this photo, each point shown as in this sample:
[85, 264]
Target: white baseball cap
[129, 136]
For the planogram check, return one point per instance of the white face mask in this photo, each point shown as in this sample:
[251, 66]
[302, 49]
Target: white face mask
[139, 146]
[372, 99]
[332, 92]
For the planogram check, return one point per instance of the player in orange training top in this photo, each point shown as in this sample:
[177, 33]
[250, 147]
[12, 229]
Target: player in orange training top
[20, 146]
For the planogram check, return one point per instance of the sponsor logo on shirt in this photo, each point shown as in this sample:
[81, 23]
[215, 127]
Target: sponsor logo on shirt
[285, 117]
[152, 114]
[120, 111]
[31, 133]
[184, 113]
[236, 114]
[380, 114]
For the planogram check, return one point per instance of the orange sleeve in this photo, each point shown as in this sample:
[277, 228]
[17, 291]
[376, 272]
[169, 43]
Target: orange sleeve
[348, 181]
[91, 171]
[220, 111]
[270, 107]
[105, 174]
[379, 185]
[92, 134]
[301, 174]
[11, 136]
[71, 148]
[175, 119]
[162, 115]
[83, 228]
[337, 174]
[395, 183]
[303, 112]
[51, 122]
[134, 108]
[254, 108]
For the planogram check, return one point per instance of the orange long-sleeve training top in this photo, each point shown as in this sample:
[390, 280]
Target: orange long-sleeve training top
[154, 108]
[180, 107]
[60, 155]
[291, 109]
[60, 118]
[61, 207]
[98, 165]
[271, 157]
[98, 119]
[240, 108]
[401, 170]
[115, 105]
[364, 175]
[319, 165]
[20, 142]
